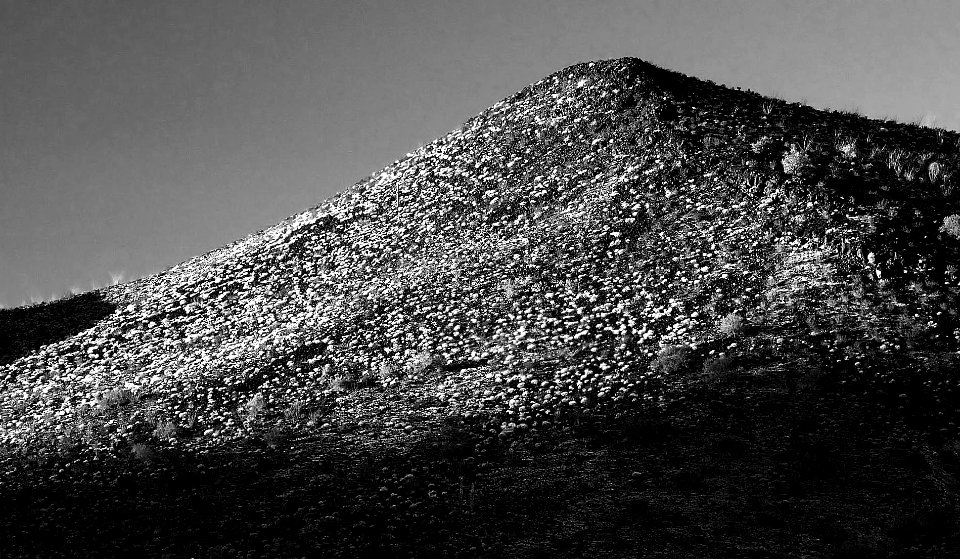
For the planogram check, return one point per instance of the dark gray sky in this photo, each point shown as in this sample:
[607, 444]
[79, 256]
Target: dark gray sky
[135, 134]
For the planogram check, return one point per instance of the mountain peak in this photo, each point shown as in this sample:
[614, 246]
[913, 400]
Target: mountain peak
[613, 239]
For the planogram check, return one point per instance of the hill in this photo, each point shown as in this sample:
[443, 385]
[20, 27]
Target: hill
[624, 312]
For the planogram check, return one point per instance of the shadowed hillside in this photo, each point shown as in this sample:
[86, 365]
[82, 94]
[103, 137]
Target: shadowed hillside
[26, 329]
[621, 313]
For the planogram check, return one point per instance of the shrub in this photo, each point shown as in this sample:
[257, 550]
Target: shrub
[946, 183]
[419, 363]
[274, 436]
[143, 452]
[115, 398]
[711, 142]
[254, 407]
[716, 368]
[951, 226]
[349, 375]
[794, 160]
[295, 411]
[895, 160]
[387, 371]
[847, 146]
[732, 325]
[370, 377]
[672, 360]
[340, 383]
[165, 430]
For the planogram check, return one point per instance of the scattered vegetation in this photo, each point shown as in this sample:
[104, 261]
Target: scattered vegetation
[453, 354]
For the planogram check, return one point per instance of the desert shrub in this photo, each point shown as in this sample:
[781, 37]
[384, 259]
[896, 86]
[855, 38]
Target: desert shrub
[711, 142]
[895, 160]
[340, 382]
[165, 430]
[847, 146]
[717, 367]
[419, 363]
[732, 325]
[254, 407]
[387, 371]
[347, 376]
[115, 398]
[275, 436]
[369, 377]
[946, 183]
[672, 360]
[143, 452]
[951, 226]
[295, 411]
[794, 160]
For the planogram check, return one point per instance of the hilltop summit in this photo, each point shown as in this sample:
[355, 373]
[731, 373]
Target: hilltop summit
[614, 247]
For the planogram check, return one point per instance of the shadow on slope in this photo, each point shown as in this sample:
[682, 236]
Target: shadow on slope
[747, 467]
[26, 329]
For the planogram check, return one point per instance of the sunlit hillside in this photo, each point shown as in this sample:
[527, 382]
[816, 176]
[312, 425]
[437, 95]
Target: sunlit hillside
[621, 313]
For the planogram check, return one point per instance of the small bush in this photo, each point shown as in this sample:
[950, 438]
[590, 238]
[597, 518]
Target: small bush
[370, 377]
[115, 398]
[274, 436]
[794, 160]
[732, 325]
[711, 142]
[672, 360]
[347, 376]
[340, 383]
[295, 411]
[419, 363]
[717, 368]
[951, 226]
[848, 147]
[387, 371]
[165, 430]
[946, 183]
[254, 407]
[895, 160]
[143, 452]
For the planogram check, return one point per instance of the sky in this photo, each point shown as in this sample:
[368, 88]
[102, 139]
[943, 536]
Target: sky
[136, 134]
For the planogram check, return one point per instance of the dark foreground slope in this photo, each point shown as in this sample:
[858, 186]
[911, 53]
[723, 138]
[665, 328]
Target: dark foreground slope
[621, 313]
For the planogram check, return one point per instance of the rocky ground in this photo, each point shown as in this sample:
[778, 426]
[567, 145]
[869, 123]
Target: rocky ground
[623, 312]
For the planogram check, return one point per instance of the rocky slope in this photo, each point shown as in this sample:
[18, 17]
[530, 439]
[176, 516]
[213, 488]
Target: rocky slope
[705, 305]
